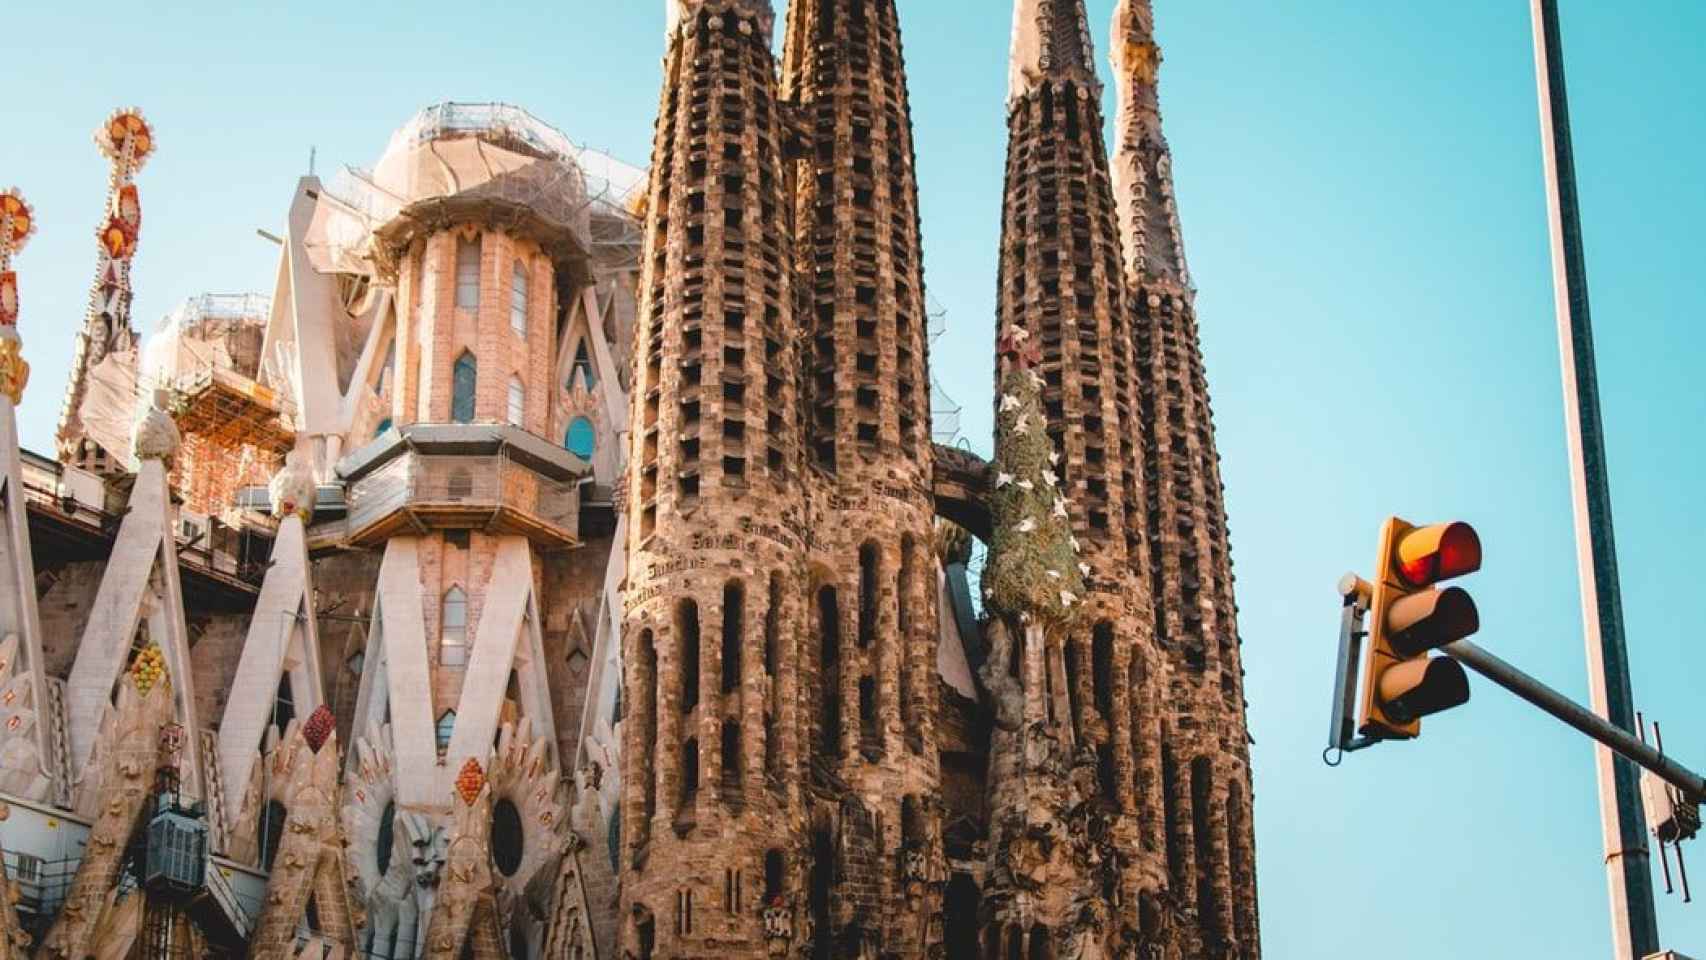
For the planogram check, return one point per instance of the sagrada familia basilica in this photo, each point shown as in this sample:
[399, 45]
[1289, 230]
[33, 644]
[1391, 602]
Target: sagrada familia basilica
[562, 561]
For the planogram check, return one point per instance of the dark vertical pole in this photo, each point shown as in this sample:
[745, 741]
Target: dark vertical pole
[1634, 924]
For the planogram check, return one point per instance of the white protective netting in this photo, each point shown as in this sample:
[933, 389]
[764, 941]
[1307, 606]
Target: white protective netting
[944, 412]
[494, 152]
[212, 331]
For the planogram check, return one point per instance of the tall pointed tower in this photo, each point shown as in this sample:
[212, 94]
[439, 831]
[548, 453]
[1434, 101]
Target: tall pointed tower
[1085, 752]
[1210, 841]
[869, 665]
[95, 417]
[710, 765]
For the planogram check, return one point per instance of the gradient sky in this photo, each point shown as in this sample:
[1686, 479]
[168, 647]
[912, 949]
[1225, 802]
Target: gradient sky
[1361, 192]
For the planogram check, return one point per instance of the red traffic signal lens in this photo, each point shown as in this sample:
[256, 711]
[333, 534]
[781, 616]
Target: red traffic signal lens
[1430, 554]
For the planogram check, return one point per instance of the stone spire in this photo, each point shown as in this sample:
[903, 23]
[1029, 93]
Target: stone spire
[104, 368]
[1205, 763]
[1051, 38]
[1143, 165]
[870, 691]
[1075, 749]
[716, 552]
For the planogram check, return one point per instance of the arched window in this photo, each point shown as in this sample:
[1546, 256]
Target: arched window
[772, 625]
[1102, 669]
[689, 772]
[870, 738]
[868, 574]
[581, 439]
[1170, 816]
[1202, 808]
[453, 629]
[647, 694]
[517, 403]
[960, 913]
[687, 631]
[272, 832]
[731, 755]
[1236, 865]
[283, 705]
[829, 669]
[468, 274]
[822, 882]
[734, 616]
[1041, 949]
[518, 299]
[444, 728]
[773, 879]
[582, 370]
[464, 376]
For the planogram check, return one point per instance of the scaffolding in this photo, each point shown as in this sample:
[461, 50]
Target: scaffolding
[519, 171]
[944, 412]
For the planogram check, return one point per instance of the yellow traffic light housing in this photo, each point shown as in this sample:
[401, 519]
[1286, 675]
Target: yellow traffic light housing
[1408, 618]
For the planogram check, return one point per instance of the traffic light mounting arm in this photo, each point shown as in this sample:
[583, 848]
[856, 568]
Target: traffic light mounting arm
[1342, 737]
[1692, 785]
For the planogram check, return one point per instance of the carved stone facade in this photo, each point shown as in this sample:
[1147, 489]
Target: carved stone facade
[563, 563]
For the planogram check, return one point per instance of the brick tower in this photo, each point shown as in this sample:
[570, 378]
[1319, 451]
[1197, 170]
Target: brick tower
[1091, 721]
[714, 604]
[869, 669]
[1210, 843]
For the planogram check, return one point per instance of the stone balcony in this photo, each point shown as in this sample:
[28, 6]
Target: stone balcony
[497, 479]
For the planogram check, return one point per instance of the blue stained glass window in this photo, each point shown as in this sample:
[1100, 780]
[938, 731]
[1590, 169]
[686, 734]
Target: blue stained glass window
[445, 727]
[582, 368]
[581, 439]
[462, 380]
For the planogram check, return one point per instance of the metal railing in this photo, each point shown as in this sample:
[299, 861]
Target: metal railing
[432, 482]
[42, 886]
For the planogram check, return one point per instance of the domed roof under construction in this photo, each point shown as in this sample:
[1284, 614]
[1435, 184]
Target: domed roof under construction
[490, 163]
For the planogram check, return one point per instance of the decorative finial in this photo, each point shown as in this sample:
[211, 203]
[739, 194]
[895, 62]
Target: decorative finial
[470, 781]
[156, 436]
[148, 668]
[126, 139]
[293, 489]
[17, 222]
[319, 727]
[1051, 41]
[749, 15]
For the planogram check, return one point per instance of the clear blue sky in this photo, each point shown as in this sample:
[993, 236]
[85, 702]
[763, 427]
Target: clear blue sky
[1362, 203]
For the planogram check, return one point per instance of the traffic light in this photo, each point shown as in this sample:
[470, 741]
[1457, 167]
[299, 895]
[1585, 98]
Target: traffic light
[1408, 618]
